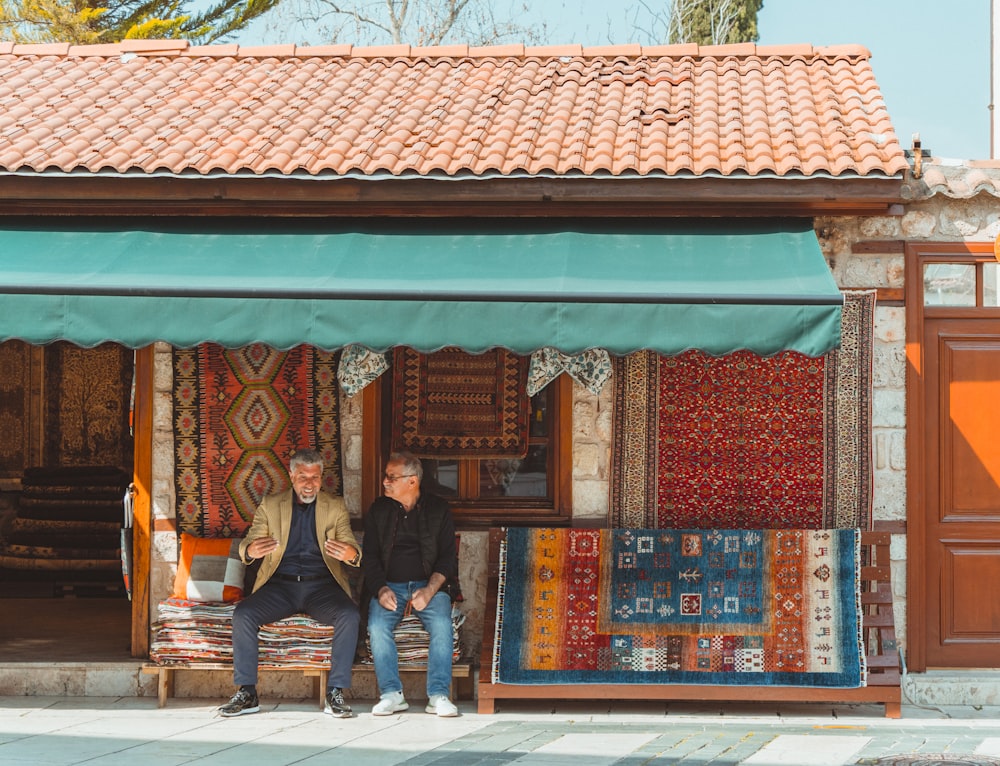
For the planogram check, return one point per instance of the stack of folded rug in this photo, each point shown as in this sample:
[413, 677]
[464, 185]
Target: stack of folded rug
[193, 631]
[67, 525]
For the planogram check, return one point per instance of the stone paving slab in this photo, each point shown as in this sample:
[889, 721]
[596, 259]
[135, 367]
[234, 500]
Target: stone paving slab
[60, 731]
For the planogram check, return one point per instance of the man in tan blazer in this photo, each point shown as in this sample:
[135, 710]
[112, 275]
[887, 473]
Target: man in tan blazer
[304, 540]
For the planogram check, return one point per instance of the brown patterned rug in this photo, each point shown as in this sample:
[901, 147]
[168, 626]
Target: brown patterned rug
[15, 390]
[87, 395]
[239, 415]
[452, 404]
[743, 441]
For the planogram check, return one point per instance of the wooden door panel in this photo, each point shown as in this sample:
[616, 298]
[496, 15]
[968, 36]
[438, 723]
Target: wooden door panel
[972, 568]
[961, 561]
[970, 427]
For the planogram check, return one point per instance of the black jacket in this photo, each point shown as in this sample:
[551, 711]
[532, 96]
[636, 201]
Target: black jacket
[436, 530]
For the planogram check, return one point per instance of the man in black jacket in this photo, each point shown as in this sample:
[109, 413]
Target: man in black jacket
[408, 555]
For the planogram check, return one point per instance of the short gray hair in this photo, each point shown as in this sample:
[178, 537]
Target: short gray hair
[411, 463]
[305, 457]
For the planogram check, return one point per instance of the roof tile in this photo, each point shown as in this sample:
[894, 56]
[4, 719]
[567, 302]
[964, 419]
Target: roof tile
[145, 106]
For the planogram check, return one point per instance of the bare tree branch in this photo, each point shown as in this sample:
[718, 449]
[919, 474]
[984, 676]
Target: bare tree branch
[416, 22]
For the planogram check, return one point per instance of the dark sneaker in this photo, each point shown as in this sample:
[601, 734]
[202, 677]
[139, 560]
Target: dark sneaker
[336, 706]
[243, 702]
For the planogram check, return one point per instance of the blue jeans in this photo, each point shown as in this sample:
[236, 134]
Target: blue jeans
[436, 619]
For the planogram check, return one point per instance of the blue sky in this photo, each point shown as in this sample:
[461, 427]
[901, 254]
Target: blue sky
[931, 58]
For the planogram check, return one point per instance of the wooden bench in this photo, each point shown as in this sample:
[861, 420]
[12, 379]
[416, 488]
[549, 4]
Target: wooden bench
[878, 632]
[166, 675]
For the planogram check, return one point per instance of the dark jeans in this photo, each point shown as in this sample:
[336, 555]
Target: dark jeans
[323, 600]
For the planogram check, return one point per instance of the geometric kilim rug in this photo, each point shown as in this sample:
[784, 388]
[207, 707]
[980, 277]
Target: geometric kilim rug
[239, 415]
[647, 606]
[453, 404]
[745, 441]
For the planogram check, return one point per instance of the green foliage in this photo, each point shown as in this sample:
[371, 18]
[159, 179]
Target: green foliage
[717, 22]
[84, 22]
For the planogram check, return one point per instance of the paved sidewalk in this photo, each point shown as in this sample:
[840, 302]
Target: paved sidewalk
[44, 731]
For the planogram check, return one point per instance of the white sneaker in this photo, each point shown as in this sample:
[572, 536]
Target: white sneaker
[441, 706]
[390, 703]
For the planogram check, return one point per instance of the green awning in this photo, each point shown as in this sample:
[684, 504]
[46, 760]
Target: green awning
[620, 285]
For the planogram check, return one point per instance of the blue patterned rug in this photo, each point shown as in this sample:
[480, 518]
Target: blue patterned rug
[673, 606]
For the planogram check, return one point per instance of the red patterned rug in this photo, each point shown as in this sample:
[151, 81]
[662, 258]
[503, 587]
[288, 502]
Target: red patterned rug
[239, 415]
[743, 441]
[452, 404]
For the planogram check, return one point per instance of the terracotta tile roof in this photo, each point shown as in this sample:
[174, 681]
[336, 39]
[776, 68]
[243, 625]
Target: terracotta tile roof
[162, 106]
[958, 180]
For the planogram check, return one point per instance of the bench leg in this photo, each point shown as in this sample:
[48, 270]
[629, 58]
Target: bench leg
[319, 677]
[164, 685]
[893, 709]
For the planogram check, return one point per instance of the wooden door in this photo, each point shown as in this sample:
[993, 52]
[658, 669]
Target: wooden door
[953, 456]
[961, 568]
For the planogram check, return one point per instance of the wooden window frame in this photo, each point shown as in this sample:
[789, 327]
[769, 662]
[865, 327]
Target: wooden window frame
[487, 512]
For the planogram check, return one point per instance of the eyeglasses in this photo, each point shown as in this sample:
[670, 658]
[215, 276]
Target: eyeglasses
[391, 479]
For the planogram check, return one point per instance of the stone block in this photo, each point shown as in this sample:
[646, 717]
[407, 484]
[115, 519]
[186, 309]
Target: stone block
[352, 451]
[583, 419]
[163, 370]
[960, 219]
[897, 450]
[889, 366]
[866, 271]
[879, 227]
[889, 449]
[352, 493]
[604, 424]
[953, 687]
[590, 499]
[888, 408]
[897, 549]
[918, 224]
[880, 451]
[586, 460]
[890, 324]
[889, 495]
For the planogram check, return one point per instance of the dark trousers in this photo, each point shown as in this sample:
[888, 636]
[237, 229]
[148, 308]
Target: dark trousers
[323, 600]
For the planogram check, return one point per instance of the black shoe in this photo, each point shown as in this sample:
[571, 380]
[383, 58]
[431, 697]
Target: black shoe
[243, 702]
[336, 706]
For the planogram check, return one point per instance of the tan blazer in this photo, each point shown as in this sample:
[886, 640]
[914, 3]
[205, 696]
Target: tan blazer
[273, 518]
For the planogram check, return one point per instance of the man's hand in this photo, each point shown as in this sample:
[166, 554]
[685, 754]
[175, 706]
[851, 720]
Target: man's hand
[262, 546]
[340, 551]
[422, 597]
[386, 598]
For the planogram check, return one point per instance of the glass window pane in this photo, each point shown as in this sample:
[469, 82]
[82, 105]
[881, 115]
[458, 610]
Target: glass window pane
[991, 283]
[440, 477]
[513, 477]
[540, 414]
[950, 284]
